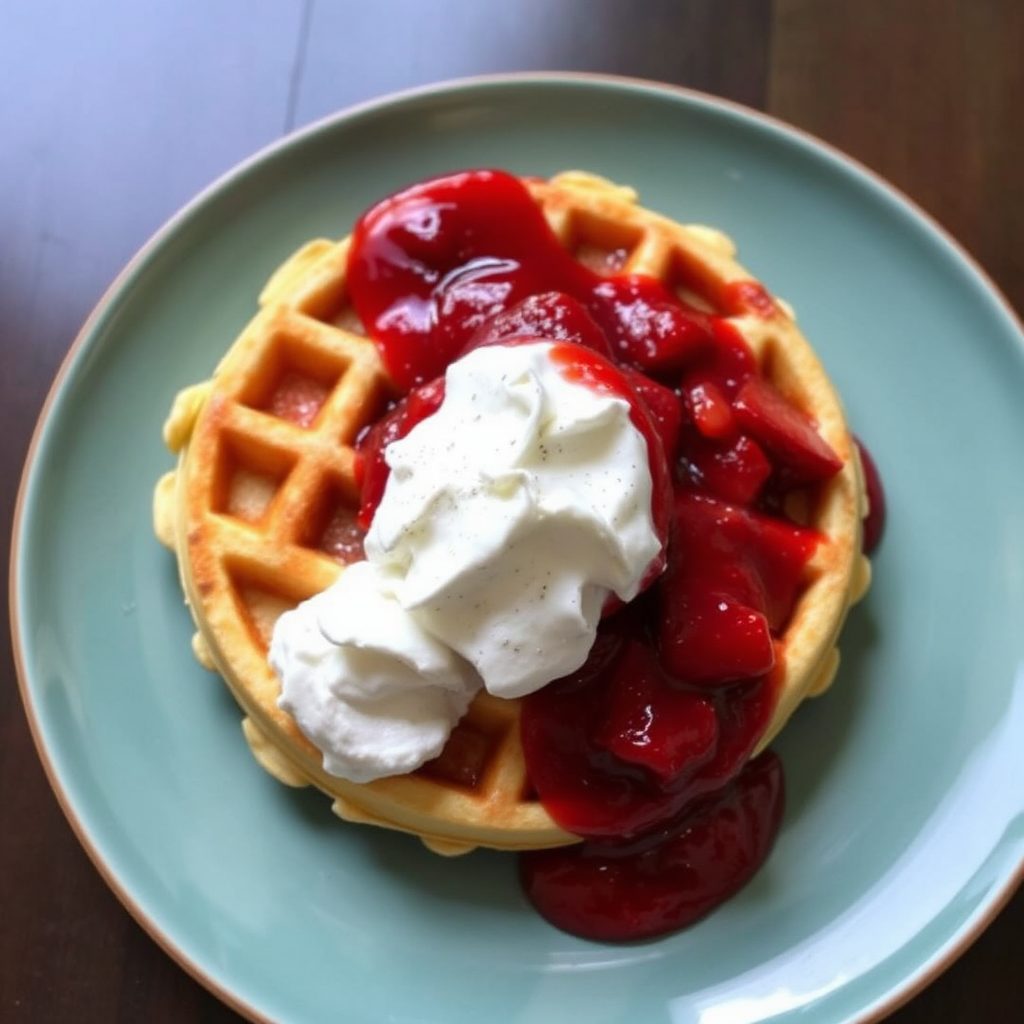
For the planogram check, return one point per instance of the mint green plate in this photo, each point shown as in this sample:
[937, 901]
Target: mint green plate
[905, 826]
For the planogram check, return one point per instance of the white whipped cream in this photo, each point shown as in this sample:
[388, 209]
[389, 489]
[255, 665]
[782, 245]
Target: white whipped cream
[509, 518]
[380, 696]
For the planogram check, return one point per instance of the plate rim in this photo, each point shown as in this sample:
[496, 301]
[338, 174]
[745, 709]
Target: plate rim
[899, 995]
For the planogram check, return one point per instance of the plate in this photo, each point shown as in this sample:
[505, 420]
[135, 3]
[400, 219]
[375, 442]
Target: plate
[902, 837]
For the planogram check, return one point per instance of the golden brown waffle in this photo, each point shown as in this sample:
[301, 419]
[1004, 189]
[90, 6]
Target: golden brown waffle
[261, 508]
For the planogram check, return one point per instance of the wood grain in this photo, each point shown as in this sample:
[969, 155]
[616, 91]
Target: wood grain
[114, 113]
[926, 93]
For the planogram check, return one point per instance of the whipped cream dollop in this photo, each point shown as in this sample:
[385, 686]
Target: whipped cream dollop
[510, 516]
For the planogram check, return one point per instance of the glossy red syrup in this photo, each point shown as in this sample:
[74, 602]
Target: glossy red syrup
[644, 751]
[671, 878]
[431, 265]
[874, 523]
[582, 365]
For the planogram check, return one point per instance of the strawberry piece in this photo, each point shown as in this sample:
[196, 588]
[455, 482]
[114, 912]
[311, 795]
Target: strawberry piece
[421, 402]
[587, 788]
[735, 472]
[650, 328]
[726, 364]
[663, 406]
[744, 711]
[777, 551]
[550, 316]
[678, 875]
[430, 264]
[583, 366]
[800, 452]
[771, 551]
[709, 409]
[651, 723]
[372, 469]
[732, 579]
[710, 639]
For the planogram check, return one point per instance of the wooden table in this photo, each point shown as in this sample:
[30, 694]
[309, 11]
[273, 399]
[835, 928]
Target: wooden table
[113, 113]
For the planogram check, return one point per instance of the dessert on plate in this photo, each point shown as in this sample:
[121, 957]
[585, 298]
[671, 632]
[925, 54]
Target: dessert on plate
[524, 517]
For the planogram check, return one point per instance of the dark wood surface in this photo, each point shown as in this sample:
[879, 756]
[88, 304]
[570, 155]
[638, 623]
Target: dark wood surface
[114, 112]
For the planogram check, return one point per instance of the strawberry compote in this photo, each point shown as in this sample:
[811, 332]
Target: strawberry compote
[644, 752]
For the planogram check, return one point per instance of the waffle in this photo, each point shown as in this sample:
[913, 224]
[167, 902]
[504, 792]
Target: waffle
[261, 507]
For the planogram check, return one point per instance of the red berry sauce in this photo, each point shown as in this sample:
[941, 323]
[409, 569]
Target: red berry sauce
[874, 522]
[433, 264]
[644, 751]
